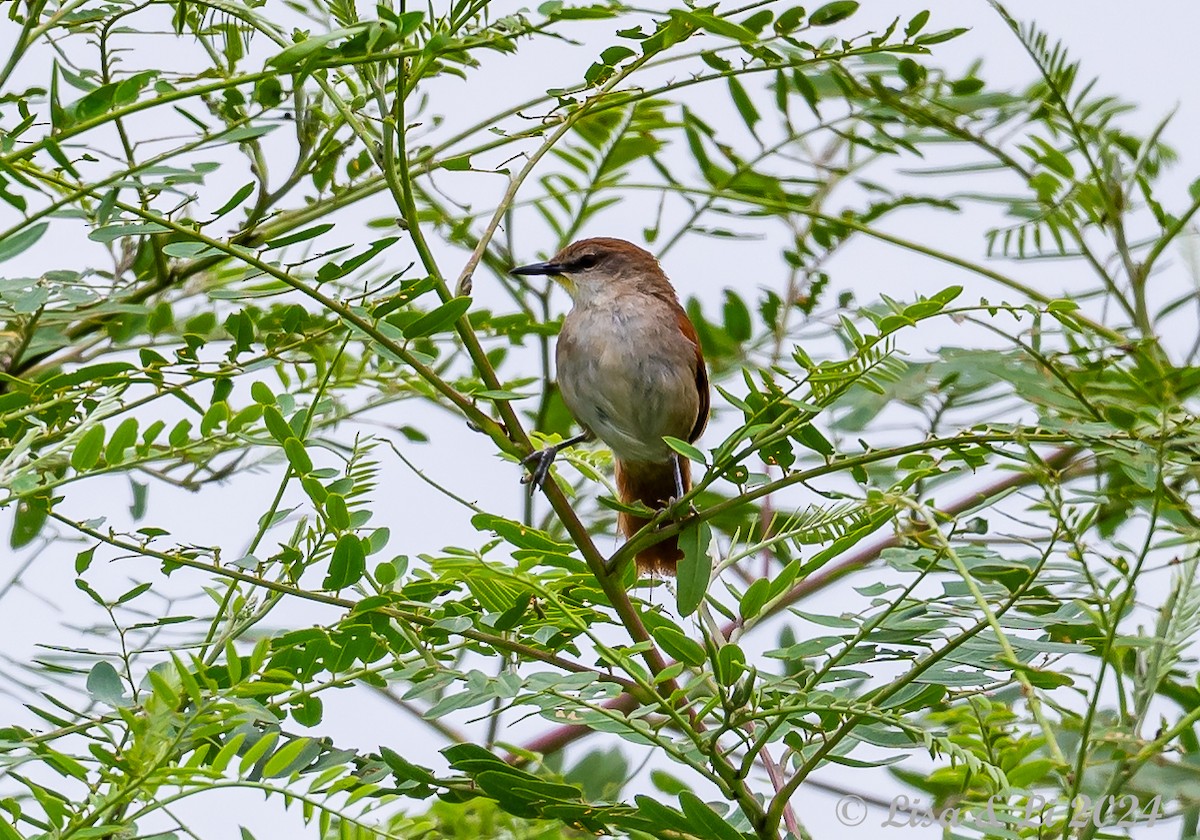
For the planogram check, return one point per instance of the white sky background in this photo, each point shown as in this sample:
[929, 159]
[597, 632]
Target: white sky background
[1143, 53]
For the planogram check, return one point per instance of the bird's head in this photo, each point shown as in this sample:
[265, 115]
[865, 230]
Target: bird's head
[590, 267]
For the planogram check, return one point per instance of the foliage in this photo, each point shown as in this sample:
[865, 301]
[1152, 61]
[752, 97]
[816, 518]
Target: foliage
[290, 233]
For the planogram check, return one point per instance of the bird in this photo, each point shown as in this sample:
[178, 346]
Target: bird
[631, 371]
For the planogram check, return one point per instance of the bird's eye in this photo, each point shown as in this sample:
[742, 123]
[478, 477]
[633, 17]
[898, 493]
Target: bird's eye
[586, 261]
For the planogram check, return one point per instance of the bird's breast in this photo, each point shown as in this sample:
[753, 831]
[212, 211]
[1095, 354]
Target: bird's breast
[628, 373]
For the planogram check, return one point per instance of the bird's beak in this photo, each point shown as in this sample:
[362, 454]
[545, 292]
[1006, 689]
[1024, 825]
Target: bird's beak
[550, 268]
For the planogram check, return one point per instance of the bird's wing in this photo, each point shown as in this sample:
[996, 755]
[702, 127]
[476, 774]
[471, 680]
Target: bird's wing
[689, 332]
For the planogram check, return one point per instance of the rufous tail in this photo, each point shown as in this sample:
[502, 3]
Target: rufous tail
[651, 484]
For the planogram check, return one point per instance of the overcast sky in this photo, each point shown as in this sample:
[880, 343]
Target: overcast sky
[1143, 52]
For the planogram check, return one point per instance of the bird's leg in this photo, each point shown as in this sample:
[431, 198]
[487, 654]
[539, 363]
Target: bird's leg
[679, 490]
[539, 462]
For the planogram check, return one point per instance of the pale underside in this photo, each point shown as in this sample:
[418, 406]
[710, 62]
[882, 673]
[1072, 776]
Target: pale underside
[628, 374]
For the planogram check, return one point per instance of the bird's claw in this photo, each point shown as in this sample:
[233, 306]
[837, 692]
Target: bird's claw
[691, 509]
[538, 463]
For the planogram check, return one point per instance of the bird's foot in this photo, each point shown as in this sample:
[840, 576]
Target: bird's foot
[689, 512]
[538, 463]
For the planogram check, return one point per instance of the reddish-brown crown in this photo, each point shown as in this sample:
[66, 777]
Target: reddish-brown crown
[605, 248]
[612, 261]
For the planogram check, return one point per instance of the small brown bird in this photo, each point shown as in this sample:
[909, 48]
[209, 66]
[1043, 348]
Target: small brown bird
[631, 371]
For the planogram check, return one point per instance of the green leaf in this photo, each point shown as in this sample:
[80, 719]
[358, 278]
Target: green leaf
[685, 449]
[811, 437]
[847, 761]
[276, 425]
[744, 104]
[719, 26]
[678, 646]
[55, 151]
[842, 544]
[831, 13]
[82, 585]
[94, 103]
[280, 763]
[238, 197]
[500, 395]
[332, 270]
[668, 784]
[916, 24]
[966, 87]
[1056, 161]
[233, 662]
[712, 825]
[309, 711]
[248, 132]
[59, 118]
[217, 414]
[601, 773]
[347, 564]
[141, 493]
[615, 54]
[104, 684]
[184, 250]
[660, 815]
[789, 20]
[335, 509]
[520, 534]
[410, 22]
[20, 241]
[940, 37]
[736, 315]
[1029, 772]
[299, 236]
[87, 450]
[227, 752]
[83, 560]
[111, 233]
[133, 593]
[315, 489]
[268, 92]
[180, 434]
[124, 437]
[758, 20]
[912, 73]
[438, 319]
[404, 770]
[297, 53]
[104, 209]
[297, 456]
[129, 88]
[378, 540]
[695, 569]
[257, 750]
[808, 90]
[385, 573]
[261, 394]
[754, 599]
[731, 664]
[17, 201]
[947, 294]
